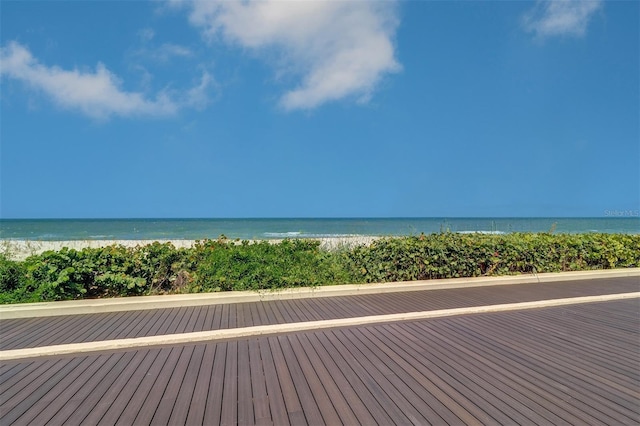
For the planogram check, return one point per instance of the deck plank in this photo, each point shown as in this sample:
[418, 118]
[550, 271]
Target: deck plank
[259, 394]
[349, 393]
[546, 370]
[287, 386]
[245, 394]
[229, 415]
[57, 398]
[138, 405]
[339, 402]
[318, 393]
[23, 400]
[277, 406]
[396, 393]
[201, 387]
[565, 365]
[213, 406]
[68, 329]
[123, 398]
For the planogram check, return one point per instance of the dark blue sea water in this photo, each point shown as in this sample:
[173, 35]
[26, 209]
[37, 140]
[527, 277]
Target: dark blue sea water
[192, 229]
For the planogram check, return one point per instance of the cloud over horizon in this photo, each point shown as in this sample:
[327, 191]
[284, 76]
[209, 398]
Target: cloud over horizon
[337, 49]
[96, 94]
[560, 17]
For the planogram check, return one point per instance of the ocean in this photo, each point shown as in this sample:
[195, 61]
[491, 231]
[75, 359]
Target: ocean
[197, 229]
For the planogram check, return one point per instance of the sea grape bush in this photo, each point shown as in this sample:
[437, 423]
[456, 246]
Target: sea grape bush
[222, 265]
[262, 265]
[449, 255]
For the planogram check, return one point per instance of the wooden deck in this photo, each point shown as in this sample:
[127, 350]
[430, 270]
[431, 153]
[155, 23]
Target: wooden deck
[576, 364]
[35, 332]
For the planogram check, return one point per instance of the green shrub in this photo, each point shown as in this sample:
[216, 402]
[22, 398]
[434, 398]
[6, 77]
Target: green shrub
[448, 255]
[226, 266]
[221, 265]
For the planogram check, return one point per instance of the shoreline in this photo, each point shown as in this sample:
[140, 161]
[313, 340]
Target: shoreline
[21, 249]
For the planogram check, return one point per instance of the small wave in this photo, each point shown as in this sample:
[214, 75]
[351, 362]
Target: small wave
[282, 234]
[307, 235]
[332, 235]
[46, 237]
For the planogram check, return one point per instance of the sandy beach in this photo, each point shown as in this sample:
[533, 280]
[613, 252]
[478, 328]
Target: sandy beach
[21, 249]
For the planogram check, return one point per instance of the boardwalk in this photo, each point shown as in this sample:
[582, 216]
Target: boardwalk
[576, 364]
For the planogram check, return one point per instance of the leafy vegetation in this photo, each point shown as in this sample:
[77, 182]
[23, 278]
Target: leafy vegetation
[449, 255]
[222, 265]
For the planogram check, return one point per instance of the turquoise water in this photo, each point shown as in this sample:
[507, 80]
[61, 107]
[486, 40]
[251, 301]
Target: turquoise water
[191, 229]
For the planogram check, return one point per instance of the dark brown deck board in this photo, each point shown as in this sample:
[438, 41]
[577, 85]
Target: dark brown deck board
[394, 405]
[267, 316]
[82, 328]
[113, 364]
[196, 408]
[130, 327]
[109, 397]
[499, 370]
[245, 395]
[170, 392]
[498, 395]
[185, 395]
[10, 370]
[603, 348]
[79, 406]
[260, 397]
[45, 408]
[213, 406]
[287, 387]
[558, 377]
[394, 388]
[527, 367]
[160, 322]
[558, 394]
[281, 314]
[341, 381]
[314, 393]
[109, 323]
[19, 403]
[435, 410]
[233, 316]
[177, 325]
[546, 353]
[229, 415]
[277, 405]
[241, 316]
[123, 398]
[127, 324]
[20, 381]
[418, 364]
[329, 385]
[574, 369]
[138, 406]
[346, 366]
[224, 316]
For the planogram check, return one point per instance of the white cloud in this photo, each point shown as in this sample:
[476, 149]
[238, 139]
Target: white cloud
[339, 49]
[97, 94]
[198, 96]
[162, 53]
[560, 17]
[167, 50]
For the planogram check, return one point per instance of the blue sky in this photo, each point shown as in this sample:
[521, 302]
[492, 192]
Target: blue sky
[319, 109]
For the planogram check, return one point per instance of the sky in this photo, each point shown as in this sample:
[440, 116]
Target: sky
[180, 109]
